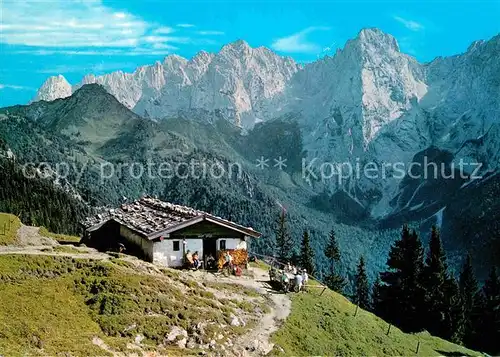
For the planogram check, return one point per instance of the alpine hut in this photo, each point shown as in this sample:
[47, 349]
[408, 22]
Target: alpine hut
[162, 232]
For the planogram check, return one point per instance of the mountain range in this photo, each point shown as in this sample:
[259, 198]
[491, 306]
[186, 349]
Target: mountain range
[368, 103]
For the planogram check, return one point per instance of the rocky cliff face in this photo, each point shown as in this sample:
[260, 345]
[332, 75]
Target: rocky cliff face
[240, 83]
[53, 88]
[367, 103]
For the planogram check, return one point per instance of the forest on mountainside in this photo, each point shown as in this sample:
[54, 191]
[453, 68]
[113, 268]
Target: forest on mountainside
[39, 202]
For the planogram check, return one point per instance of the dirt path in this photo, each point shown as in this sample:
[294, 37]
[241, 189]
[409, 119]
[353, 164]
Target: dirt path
[29, 241]
[257, 342]
[43, 250]
[27, 235]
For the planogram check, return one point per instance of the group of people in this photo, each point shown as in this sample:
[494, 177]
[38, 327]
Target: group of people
[192, 260]
[290, 278]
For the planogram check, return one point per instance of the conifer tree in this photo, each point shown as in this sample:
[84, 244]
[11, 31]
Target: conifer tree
[333, 280]
[284, 241]
[489, 326]
[307, 254]
[435, 278]
[377, 302]
[452, 327]
[402, 289]
[361, 287]
[332, 250]
[470, 299]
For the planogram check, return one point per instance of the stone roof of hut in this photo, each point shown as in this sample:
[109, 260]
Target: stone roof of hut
[150, 216]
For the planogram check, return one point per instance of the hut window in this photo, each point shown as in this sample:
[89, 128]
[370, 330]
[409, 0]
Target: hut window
[222, 244]
[176, 245]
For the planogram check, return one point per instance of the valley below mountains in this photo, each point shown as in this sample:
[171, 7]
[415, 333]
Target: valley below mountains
[369, 104]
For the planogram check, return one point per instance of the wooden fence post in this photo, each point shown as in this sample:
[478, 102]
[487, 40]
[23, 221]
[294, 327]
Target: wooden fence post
[389, 330]
[356, 312]
[418, 346]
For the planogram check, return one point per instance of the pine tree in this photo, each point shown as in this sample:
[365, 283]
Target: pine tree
[361, 288]
[307, 254]
[333, 280]
[377, 302]
[470, 298]
[452, 327]
[336, 282]
[283, 238]
[435, 277]
[402, 289]
[332, 250]
[488, 337]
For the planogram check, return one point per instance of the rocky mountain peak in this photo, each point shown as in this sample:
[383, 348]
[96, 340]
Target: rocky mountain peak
[174, 60]
[238, 48]
[374, 42]
[202, 58]
[91, 89]
[53, 88]
[474, 45]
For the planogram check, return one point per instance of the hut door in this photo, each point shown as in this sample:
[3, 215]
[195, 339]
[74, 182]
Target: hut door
[209, 248]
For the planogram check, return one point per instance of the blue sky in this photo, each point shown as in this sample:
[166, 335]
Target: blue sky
[42, 38]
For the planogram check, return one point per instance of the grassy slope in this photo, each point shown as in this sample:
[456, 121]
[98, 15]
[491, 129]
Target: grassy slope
[11, 224]
[325, 325]
[52, 305]
[42, 314]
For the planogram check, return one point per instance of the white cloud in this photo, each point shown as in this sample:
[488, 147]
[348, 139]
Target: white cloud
[409, 24]
[185, 25]
[84, 27]
[211, 33]
[163, 46]
[164, 30]
[159, 39]
[15, 87]
[92, 68]
[69, 24]
[138, 51]
[298, 42]
[120, 15]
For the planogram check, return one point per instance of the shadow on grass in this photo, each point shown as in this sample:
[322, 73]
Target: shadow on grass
[453, 354]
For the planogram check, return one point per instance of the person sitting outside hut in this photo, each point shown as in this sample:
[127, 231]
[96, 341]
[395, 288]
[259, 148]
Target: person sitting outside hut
[210, 262]
[188, 259]
[196, 261]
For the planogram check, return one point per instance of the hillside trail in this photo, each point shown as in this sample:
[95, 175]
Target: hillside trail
[30, 236]
[256, 342]
[29, 241]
